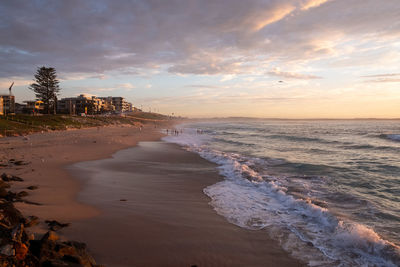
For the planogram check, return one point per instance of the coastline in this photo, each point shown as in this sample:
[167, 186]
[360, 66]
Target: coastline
[50, 153]
[46, 156]
[155, 213]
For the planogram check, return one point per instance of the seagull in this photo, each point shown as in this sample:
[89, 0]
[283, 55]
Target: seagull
[281, 81]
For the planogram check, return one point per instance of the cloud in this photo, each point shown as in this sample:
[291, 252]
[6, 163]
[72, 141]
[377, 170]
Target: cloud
[201, 86]
[384, 80]
[381, 75]
[313, 3]
[227, 77]
[209, 37]
[5, 83]
[266, 17]
[292, 75]
[126, 86]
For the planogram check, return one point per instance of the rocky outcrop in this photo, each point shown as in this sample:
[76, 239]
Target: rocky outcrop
[19, 248]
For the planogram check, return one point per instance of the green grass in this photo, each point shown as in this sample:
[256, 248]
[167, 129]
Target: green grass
[22, 124]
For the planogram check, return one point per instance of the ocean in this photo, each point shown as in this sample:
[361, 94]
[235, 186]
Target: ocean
[327, 190]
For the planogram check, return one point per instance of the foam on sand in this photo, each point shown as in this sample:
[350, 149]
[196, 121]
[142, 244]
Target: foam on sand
[308, 231]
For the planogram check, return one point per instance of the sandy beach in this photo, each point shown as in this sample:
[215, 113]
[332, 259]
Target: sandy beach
[164, 218]
[157, 215]
[47, 154]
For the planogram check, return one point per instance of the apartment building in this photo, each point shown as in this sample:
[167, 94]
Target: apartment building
[119, 103]
[8, 104]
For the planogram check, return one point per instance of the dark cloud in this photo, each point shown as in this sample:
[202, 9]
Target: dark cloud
[184, 36]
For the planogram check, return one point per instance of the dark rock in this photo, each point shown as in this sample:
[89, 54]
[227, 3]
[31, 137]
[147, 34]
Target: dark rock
[31, 202]
[122, 199]
[17, 232]
[34, 247]
[20, 162]
[55, 226]
[5, 234]
[3, 192]
[4, 184]
[55, 263]
[7, 250]
[31, 221]
[8, 177]
[71, 258]
[50, 235]
[11, 196]
[80, 249]
[12, 216]
[22, 194]
[20, 250]
[32, 187]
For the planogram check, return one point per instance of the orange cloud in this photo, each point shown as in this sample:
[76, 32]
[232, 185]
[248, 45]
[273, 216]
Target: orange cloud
[313, 3]
[267, 17]
[292, 75]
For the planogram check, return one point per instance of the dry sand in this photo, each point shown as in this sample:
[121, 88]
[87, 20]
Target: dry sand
[166, 221]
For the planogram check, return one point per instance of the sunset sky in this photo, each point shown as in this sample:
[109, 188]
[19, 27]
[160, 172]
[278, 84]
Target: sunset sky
[271, 58]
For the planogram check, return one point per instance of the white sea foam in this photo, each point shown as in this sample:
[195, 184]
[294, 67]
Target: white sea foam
[306, 230]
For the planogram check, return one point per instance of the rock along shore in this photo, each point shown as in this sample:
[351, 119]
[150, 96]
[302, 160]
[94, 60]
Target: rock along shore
[18, 247]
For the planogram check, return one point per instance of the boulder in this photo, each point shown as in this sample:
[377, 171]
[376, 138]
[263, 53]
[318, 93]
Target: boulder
[20, 250]
[32, 187]
[7, 250]
[31, 221]
[4, 184]
[3, 192]
[17, 232]
[12, 216]
[55, 226]
[20, 162]
[8, 177]
[50, 235]
[22, 194]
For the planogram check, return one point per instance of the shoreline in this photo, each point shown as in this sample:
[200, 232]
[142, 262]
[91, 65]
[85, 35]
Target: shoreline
[156, 213]
[49, 156]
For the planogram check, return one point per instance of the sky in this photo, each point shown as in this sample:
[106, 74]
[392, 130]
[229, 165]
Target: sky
[212, 58]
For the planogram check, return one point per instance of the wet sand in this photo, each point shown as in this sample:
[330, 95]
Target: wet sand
[47, 154]
[153, 212]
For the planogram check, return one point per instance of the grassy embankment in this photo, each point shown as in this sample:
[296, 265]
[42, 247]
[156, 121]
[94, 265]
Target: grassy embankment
[22, 124]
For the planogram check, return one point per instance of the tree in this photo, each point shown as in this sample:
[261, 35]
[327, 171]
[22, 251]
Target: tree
[46, 88]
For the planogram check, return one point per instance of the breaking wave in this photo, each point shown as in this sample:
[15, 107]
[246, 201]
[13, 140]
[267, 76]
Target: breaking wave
[308, 231]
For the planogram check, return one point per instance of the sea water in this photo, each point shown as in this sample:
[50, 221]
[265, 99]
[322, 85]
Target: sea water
[327, 191]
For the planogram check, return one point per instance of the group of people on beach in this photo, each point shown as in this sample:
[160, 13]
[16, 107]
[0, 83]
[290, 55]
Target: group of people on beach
[180, 131]
[174, 132]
